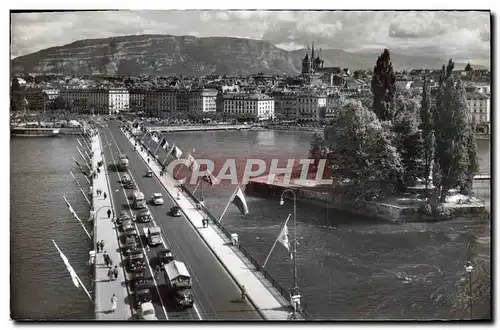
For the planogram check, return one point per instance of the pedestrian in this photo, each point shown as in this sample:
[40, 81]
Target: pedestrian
[243, 293]
[104, 195]
[114, 300]
[99, 170]
[148, 160]
[110, 261]
[110, 273]
[98, 247]
[109, 213]
[98, 192]
[102, 245]
[106, 258]
[115, 272]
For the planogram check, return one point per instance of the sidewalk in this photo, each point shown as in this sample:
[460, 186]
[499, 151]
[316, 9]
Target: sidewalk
[271, 307]
[104, 230]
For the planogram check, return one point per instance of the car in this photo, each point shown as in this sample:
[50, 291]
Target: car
[143, 216]
[157, 199]
[132, 232]
[130, 244]
[136, 261]
[129, 185]
[147, 312]
[184, 299]
[138, 273]
[127, 224]
[135, 283]
[149, 174]
[164, 257]
[143, 294]
[175, 211]
[123, 216]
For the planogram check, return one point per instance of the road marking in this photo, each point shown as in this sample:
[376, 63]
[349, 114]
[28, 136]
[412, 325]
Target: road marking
[156, 225]
[140, 241]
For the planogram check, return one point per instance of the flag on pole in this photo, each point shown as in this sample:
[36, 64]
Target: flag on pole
[163, 143]
[136, 124]
[283, 239]
[176, 152]
[154, 137]
[70, 269]
[240, 202]
[210, 178]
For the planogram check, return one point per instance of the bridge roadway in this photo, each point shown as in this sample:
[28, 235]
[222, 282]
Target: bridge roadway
[216, 295]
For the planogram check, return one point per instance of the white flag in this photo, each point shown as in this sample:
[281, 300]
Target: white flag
[154, 137]
[70, 269]
[283, 238]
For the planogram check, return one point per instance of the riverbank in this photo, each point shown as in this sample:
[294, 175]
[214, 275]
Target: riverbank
[195, 128]
[397, 209]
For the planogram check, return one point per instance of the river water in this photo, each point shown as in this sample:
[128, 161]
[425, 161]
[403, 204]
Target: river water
[348, 267]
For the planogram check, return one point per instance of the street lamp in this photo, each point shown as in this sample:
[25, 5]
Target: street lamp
[468, 269]
[295, 291]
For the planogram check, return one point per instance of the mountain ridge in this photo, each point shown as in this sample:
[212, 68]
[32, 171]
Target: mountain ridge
[162, 54]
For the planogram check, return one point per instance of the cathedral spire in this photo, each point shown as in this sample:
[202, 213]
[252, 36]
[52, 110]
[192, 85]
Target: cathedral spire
[312, 52]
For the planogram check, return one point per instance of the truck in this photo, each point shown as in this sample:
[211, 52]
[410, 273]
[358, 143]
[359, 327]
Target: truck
[179, 283]
[153, 235]
[138, 197]
[123, 164]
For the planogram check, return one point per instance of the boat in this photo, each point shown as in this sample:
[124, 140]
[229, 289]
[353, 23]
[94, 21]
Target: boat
[34, 131]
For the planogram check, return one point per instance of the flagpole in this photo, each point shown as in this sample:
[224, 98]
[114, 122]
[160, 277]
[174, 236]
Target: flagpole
[199, 181]
[76, 216]
[78, 184]
[228, 203]
[66, 262]
[83, 157]
[157, 147]
[276, 241]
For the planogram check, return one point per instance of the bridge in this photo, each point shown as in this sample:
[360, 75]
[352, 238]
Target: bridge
[193, 128]
[219, 270]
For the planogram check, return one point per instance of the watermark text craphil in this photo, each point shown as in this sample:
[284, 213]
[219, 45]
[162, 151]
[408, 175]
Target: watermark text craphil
[296, 171]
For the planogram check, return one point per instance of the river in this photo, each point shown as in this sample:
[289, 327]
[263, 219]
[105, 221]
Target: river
[348, 267]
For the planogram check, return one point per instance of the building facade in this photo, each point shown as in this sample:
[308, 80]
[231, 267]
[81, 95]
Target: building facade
[310, 105]
[203, 100]
[479, 107]
[119, 100]
[259, 105]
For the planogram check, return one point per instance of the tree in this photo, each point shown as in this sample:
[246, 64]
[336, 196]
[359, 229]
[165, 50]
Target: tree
[317, 149]
[361, 150]
[468, 67]
[427, 131]
[472, 164]
[407, 140]
[451, 126]
[383, 85]
[15, 96]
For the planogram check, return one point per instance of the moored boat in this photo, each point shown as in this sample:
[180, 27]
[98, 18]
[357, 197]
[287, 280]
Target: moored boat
[34, 131]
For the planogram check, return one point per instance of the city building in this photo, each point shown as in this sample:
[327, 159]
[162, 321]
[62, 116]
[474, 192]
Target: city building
[479, 107]
[313, 70]
[52, 93]
[136, 99]
[166, 101]
[119, 100]
[203, 100]
[310, 105]
[285, 105]
[259, 105]
[182, 99]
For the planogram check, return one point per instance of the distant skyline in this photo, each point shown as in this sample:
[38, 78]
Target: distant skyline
[463, 36]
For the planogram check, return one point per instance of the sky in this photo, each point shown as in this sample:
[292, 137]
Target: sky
[464, 36]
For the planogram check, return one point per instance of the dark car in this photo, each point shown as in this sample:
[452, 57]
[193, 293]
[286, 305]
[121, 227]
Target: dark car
[127, 224]
[143, 294]
[184, 299]
[132, 232]
[130, 244]
[129, 185]
[136, 261]
[123, 216]
[138, 273]
[144, 216]
[165, 256]
[175, 211]
[137, 282]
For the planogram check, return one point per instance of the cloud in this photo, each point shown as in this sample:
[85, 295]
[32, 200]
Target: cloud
[419, 33]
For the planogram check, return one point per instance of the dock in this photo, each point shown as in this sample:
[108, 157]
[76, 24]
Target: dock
[105, 230]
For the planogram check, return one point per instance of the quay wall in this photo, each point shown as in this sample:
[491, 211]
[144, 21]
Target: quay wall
[375, 210]
[70, 131]
[193, 128]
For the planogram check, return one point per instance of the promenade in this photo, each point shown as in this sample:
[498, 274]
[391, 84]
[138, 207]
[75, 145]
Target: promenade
[104, 230]
[193, 128]
[270, 303]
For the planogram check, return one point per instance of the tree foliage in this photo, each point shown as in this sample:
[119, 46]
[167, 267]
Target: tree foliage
[451, 127]
[427, 131]
[317, 149]
[383, 85]
[16, 98]
[361, 150]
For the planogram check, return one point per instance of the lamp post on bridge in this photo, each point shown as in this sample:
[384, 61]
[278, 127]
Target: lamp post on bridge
[468, 269]
[295, 296]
